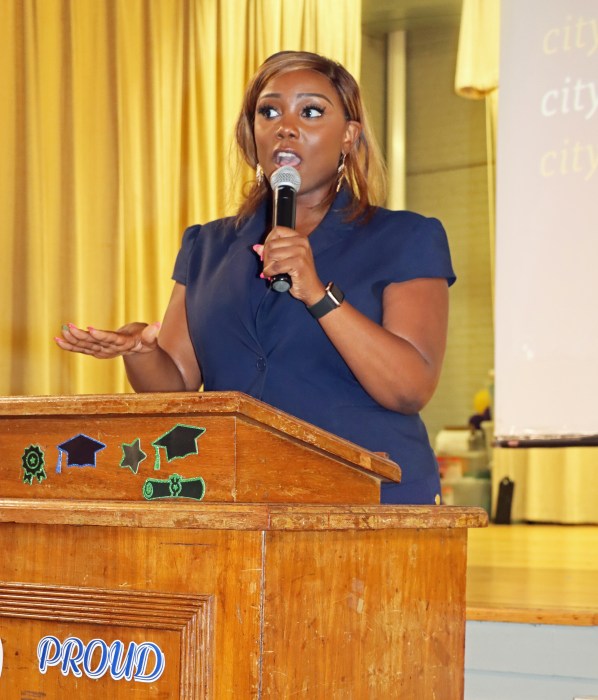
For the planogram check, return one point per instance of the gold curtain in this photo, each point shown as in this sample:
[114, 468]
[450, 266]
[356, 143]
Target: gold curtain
[115, 134]
[477, 78]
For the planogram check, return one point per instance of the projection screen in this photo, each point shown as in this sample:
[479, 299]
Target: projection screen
[546, 300]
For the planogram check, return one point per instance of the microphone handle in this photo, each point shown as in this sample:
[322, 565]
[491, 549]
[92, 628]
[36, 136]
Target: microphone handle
[283, 209]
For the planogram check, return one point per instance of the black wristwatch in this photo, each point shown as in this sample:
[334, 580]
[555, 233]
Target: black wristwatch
[330, 301]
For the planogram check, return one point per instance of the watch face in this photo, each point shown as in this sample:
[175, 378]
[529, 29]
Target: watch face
[331, 300]
[335, 293]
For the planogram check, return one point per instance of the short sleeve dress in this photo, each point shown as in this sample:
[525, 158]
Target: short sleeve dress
[252, 339]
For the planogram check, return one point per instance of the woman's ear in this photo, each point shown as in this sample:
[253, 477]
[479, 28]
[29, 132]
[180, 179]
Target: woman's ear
[352, 134]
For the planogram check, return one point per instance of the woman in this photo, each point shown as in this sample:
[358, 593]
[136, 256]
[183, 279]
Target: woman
[360, 362]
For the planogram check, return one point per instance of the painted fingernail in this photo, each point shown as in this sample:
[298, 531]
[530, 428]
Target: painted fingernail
[90, 328]
[262, 276]
[259, 249]
[71, 325]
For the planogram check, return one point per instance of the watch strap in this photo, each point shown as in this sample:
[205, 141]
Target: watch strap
[330, 301]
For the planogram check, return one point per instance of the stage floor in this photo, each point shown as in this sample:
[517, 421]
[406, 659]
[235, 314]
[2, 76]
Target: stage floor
[533, 574]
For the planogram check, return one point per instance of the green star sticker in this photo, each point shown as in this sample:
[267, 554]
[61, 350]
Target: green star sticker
[133, 455]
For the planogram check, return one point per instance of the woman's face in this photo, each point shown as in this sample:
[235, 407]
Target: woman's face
[300, 121]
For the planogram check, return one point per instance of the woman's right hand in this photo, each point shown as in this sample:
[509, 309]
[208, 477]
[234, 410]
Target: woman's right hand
[134, 338]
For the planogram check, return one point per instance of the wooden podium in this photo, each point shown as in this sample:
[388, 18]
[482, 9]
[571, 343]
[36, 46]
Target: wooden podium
[209, 546]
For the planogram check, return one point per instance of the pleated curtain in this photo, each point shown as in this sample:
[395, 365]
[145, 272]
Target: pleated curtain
[116, 127]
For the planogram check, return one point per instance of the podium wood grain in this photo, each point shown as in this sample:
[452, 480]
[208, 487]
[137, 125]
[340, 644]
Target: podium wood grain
[245, 599]
[249, 452]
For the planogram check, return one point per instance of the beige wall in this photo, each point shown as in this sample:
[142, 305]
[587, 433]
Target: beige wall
[446, 178]
[373, 83]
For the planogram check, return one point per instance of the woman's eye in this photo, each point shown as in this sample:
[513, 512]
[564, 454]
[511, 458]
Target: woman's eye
[312, 111]
[267, 112]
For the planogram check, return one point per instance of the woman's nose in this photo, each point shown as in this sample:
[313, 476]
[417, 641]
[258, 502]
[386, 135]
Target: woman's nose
[287, 129]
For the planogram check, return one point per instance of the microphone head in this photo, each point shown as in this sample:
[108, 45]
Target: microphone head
[286, 176]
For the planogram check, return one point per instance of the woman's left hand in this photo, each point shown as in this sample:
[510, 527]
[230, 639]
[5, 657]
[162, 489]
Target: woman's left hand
[285, 250]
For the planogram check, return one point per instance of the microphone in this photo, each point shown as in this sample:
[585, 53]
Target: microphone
[285, 183]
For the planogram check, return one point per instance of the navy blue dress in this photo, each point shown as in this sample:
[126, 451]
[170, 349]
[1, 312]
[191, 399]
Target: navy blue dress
[249, 338]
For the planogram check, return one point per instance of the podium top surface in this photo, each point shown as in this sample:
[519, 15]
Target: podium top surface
[242, 516]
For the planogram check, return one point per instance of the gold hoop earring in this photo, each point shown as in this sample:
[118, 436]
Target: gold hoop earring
[341, 172]
[259, 175]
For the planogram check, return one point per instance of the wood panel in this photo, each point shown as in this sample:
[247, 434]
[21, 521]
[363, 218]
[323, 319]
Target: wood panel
[246, 451]
[179, 625]
[228, 403]
[300, 473]
[357, 615]
[143, 568]
[304, 601]
[240, 516]
[214, 459]
[272, 600]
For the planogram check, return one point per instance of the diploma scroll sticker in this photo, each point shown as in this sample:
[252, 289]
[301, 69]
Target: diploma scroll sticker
[174, 487]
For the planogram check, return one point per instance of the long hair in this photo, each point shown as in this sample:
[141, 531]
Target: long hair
[364, 168]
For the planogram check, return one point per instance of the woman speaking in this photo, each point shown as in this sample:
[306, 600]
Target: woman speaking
[355, 346]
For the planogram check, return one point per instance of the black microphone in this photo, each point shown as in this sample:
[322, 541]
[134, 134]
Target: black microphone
[285, 183]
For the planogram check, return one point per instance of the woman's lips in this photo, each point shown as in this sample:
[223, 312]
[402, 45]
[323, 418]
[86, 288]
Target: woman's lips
[287, 158]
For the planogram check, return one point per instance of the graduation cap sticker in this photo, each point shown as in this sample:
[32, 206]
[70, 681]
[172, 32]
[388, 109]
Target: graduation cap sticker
[178, 442]
[80, 451]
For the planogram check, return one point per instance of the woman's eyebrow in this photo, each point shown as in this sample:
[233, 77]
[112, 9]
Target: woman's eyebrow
[315, 94]
[278, 95]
